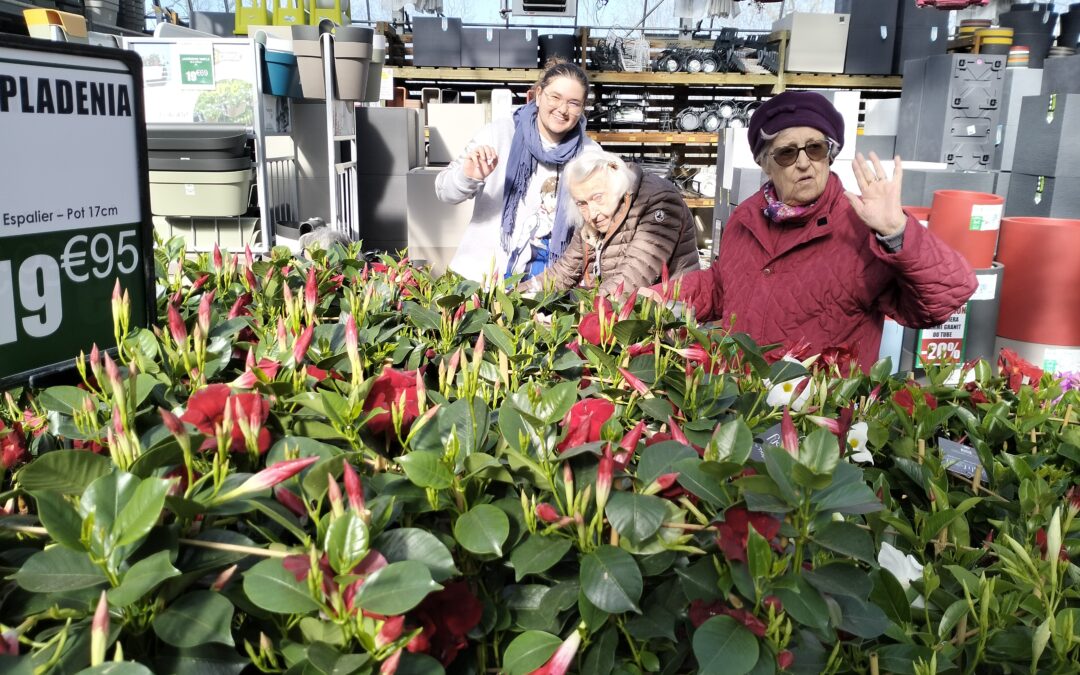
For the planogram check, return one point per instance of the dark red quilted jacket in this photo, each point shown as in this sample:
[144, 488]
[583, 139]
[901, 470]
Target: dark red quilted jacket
[826, 281]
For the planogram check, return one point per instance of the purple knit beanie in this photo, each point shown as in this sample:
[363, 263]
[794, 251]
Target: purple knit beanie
[795, 109]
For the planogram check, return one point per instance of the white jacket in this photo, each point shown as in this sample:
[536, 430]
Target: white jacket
[480, 253]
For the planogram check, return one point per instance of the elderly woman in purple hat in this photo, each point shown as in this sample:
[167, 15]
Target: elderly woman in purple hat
[802, 262]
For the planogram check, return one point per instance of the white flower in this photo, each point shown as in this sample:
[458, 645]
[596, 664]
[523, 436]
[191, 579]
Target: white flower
[781, 394]
[905, 568]
[856, 440]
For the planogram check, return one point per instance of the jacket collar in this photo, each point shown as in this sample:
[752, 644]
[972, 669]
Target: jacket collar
[776, 239]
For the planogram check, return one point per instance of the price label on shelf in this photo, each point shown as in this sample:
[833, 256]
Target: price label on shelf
[943, 344]
[74, 217]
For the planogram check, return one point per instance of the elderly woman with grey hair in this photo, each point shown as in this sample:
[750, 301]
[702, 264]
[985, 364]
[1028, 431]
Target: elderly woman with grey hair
[802, 262]
[627, 226]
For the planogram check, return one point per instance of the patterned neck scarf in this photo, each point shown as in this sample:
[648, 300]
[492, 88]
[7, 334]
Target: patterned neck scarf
[779, 212]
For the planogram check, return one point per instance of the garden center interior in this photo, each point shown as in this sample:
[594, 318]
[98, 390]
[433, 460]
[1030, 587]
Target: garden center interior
[177, 175]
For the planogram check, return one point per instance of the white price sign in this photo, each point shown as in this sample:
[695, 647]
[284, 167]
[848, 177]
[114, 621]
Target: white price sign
[73, 214]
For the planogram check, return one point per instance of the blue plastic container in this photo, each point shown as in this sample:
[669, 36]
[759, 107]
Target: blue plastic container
[282, 76]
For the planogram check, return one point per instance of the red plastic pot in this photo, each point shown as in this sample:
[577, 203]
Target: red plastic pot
[968, 222]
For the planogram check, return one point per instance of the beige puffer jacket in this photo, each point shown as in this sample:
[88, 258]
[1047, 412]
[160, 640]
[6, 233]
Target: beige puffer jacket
[658, 229]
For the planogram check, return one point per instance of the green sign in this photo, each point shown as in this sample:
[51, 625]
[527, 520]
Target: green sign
[72, 224]
[197, 69]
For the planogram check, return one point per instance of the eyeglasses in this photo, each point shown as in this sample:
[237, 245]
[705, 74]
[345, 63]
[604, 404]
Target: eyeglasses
[556, 102]
[789, 154]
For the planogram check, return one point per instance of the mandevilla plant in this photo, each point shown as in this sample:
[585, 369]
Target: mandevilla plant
[341, 465]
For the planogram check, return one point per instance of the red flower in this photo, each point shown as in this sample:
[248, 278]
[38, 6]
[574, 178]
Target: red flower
[841, 356]
[12, 446]
[1018, 370]
[905, 400]
[447, 616]
[584, 422]
[975, 394]
[733, 532]
[591, 329]
[206, 410]
[387, 391]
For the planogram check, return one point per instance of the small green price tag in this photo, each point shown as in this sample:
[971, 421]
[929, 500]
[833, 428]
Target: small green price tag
[197, 69]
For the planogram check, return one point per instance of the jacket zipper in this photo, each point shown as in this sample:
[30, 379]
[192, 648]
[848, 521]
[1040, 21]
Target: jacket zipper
[599, 255]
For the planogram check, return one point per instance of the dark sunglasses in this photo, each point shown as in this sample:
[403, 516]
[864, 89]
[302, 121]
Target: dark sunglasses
[789, 154]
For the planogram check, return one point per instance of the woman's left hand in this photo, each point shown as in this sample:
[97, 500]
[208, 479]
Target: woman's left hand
[879, 202]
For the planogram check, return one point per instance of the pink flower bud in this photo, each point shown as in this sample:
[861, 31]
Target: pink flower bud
[676, 432]
[604, 475]
[268, 478]
[99, 631]
[239, 307]
[300, 347]
[635, 383]
[117, 420]
[631, 439]
[547, 513]
[560, 661]
[290, 500]
[177, 329]
[311, 291]
[391, 630]
[218, 263]
[203, 315]
[666, 480]
[249, 259]
[788, 437]
[172, 422]
[113, 373]
[352, 339]
[628, 306]
[354, 489]
[282, 332]
[199, 283]
[390, 665]
[333, 493]
[223, 579]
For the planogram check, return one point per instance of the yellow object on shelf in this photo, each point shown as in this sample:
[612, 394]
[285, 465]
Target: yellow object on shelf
[250, 13]
[289, 13]
[317, 13]
[41, 22]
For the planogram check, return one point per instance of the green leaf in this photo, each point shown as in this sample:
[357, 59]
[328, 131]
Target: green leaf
[838, 578]
[346, 542]
[732, 442]
[105, 498]
[538, 554]
[694, 478]
[59, 569]
[630, 331]
[759, 558]
[143, 577]
[68, 472]
[117, 668]
[611, 580]
[482, 530]
[847, 539]
[950, 617]
[426, 470]
[63, 399]
[660, 458]
[723, 646]
[600, 657]
[500, 337]
[700, 581]
[315, 630]
[139, 513]
[419, 664]
[421, 317]
[803, 603]
[861, 618]
[410, 543]
[268, 585]
[302, 447]
[820, 452]
[529, 651]
[656, 622]
[60, 519]
[784, 370]
[636, 517]
[555, 402]
[196, 617]
[889, 595]
[396, 588]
